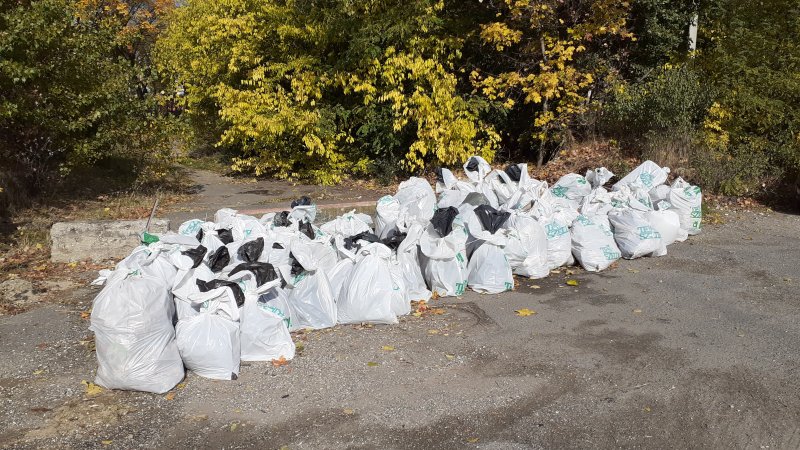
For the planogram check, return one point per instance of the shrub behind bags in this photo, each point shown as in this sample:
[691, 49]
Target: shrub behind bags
[135, 341]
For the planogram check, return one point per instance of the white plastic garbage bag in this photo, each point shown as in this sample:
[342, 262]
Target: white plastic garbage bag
[443, 245]
[348, 224]
[647, 175]
[526, 249]
[310, 297]
[417, 199]
[134, 337]
[387, 212]
[559, 240]
[477, 169]
[367, 294]
[264, 328]
[598, 202]
[451, 190]
[687, 201]
[488, 269]
[593, 242]
[668, 225]
[659, 194]
[633, 233]
[209, 342]
[570, 190]
[502, 185]
[408, 259]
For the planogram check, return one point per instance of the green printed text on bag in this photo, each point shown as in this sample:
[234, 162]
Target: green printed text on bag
[555, 230]
[610, 254]
[647, 179]
[647, 232]
[559, 191]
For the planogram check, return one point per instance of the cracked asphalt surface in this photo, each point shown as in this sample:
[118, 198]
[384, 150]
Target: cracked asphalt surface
[696, 349]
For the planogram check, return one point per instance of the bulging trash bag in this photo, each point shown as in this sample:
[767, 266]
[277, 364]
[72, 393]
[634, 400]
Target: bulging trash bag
[633, 234]
[407, 256]
[598, 177]
[659, 194]
[556, 222]
[593, 242]
[134, 337]
[340, 272]
[387, 212]
[668, 225]
[209, 342]
[310, 297]
[153, 259]
[687, 201]
[488, 269]
[303, 211]
[647, 175]
[443, 245]
[264, 331]
[526, 249]
[570, 190]
[348, 224]
[367, 294]
[417, 199]
[240, 226]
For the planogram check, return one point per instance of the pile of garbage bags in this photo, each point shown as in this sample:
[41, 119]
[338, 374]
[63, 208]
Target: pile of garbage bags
[218, 292]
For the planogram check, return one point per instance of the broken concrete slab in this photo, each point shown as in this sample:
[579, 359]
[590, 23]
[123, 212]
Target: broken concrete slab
[98, 240]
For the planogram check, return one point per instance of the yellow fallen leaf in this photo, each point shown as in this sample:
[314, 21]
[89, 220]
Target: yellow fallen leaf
[38, 246]
[433, 331]
[572, 282]
[170, 396]
[181, 385]
[38, 372]
[450, 357]
[72, 265]
[86, 314]
[91, 388]
[525, 312]
[282, 361]
[387, 348]
[107, 442]
[535, 286]
[234, 426]
[348, 411]
[372, 364]
[473, 440]
[633, 271]
[637, 311]
[647, 409]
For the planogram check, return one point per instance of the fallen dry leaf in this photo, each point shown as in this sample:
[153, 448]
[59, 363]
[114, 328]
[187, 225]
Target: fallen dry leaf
[473, 440]
[91, 388]
[234, 426]
[525, 312]
[86, 314]
[169, 396]
[348, 411]
[107, 442]
[633, 271]
[450, 357]
[387, 348]
[282, 361]
[372, 364]
[572, 282]
[38, 372]
[535, 286]
[433, 331]
[637, 311]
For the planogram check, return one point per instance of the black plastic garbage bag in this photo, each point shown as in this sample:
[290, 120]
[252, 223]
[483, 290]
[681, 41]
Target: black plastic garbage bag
[263, 272]
[251, 251]
[394, 239]
[219, 259]
[302, 201]
[442, 220]
[306, 228]
[490, 218]
[197, 254]
[351, 242]
[238, 294]
[514, 172]
[281, 219]
[472, 164]
[225, 236]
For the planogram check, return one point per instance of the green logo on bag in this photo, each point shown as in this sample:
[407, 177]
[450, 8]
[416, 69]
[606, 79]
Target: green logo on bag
[554, 230]
[691, 191]
[299, 277]
[584, 220]
[460, 288]
[279, 313]
[509, 286]
[459, 257]
[559, 191]
[580, 180]
[647, 232]
[697, 213]
[610, 254]
[647, 179]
